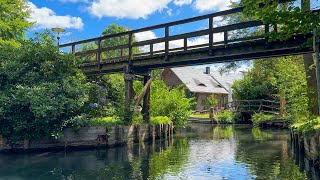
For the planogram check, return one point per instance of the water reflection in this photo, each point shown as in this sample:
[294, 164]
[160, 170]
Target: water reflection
[196, 152]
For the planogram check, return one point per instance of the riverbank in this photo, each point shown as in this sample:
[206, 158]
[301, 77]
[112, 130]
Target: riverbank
[309, 145]
[92, 137]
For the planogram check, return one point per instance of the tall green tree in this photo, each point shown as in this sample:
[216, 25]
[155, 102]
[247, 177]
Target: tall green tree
[275, 78]
[291, 19]
[14, 16]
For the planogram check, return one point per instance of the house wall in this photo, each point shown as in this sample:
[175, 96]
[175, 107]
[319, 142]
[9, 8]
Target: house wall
[202, 97]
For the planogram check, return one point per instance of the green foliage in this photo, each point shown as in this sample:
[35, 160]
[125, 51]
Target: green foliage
[307, 128]
[258, 118]
[170, 102]
[274, 79]
[290, 18]
[227, 117]
[160, 120]
[212, 101]
[104, 121]
[40, 89]
[116, 41]
[14, 16]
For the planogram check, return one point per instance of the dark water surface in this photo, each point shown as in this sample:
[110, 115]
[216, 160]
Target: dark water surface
[196, 152]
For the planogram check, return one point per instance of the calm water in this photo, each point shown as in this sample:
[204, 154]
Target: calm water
[196, 152]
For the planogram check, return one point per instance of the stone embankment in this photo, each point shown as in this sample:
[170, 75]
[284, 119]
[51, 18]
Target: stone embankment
[92, 137]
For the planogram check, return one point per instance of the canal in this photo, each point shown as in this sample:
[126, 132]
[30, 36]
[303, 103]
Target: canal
[195, 152]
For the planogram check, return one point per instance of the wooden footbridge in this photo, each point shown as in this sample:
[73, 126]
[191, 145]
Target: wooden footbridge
[255, 106]
[231, 48]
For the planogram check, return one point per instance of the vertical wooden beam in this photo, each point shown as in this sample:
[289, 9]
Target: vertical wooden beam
[146, 101]
[130, 49]
[129, 92]
[151, 49]
[121, 53]
[210, 35]
[185, 44]
[98, 55]
[225, 37]
[73, 48]
[166, 29]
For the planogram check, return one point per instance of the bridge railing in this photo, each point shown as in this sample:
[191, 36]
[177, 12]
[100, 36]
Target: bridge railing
[261, 105]
[127, 52]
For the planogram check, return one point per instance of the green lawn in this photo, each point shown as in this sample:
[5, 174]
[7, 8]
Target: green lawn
[203, 115]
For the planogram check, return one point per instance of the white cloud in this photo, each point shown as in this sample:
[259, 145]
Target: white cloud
[133, 9]
[182, 2]
[74, 1]
[148, 35]
[208, 5]
[46, 18]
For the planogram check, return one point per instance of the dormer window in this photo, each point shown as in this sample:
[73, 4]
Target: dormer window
[201, 84]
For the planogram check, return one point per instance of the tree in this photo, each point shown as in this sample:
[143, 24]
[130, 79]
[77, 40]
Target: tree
[170, 102]
[14, 16]
[275, 78]
[40, 89]
[117, 41]
[291, 20]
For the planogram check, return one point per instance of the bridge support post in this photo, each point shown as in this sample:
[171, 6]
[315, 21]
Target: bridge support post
[129, 92]
[146, 100]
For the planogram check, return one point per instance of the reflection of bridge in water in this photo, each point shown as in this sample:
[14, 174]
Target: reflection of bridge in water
[233, 47]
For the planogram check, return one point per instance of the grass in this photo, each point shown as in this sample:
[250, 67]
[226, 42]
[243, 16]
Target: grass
[200, 116]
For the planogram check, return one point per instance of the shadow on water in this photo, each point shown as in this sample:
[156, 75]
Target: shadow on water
[196, 152]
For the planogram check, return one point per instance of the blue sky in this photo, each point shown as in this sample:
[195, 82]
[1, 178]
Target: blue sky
[84, 19]
[88, 18]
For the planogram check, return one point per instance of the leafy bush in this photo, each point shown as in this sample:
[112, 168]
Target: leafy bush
[160, 120]
[170, 102]
[307, 128]
[225, 117]
[104, 121]
[40, 89]
[258, 118]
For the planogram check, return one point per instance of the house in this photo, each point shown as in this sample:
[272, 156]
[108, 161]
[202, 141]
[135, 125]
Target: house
[203, 84]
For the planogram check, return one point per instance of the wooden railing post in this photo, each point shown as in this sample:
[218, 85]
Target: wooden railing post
[151, 49]
[130, 49]
[210, 35]
[225, 35]
[98, 55]
[166, 42]
[73, 48]
[185, 44]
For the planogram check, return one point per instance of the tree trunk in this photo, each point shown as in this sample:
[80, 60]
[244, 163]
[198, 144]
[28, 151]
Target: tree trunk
[312, 83]
[310, 71]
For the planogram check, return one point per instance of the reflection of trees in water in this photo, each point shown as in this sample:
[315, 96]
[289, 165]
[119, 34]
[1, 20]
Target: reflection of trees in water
[266, 154]
[171, 160]
[223, 132]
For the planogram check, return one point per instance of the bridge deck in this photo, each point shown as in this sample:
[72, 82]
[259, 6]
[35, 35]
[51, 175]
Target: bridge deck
[232, 48]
